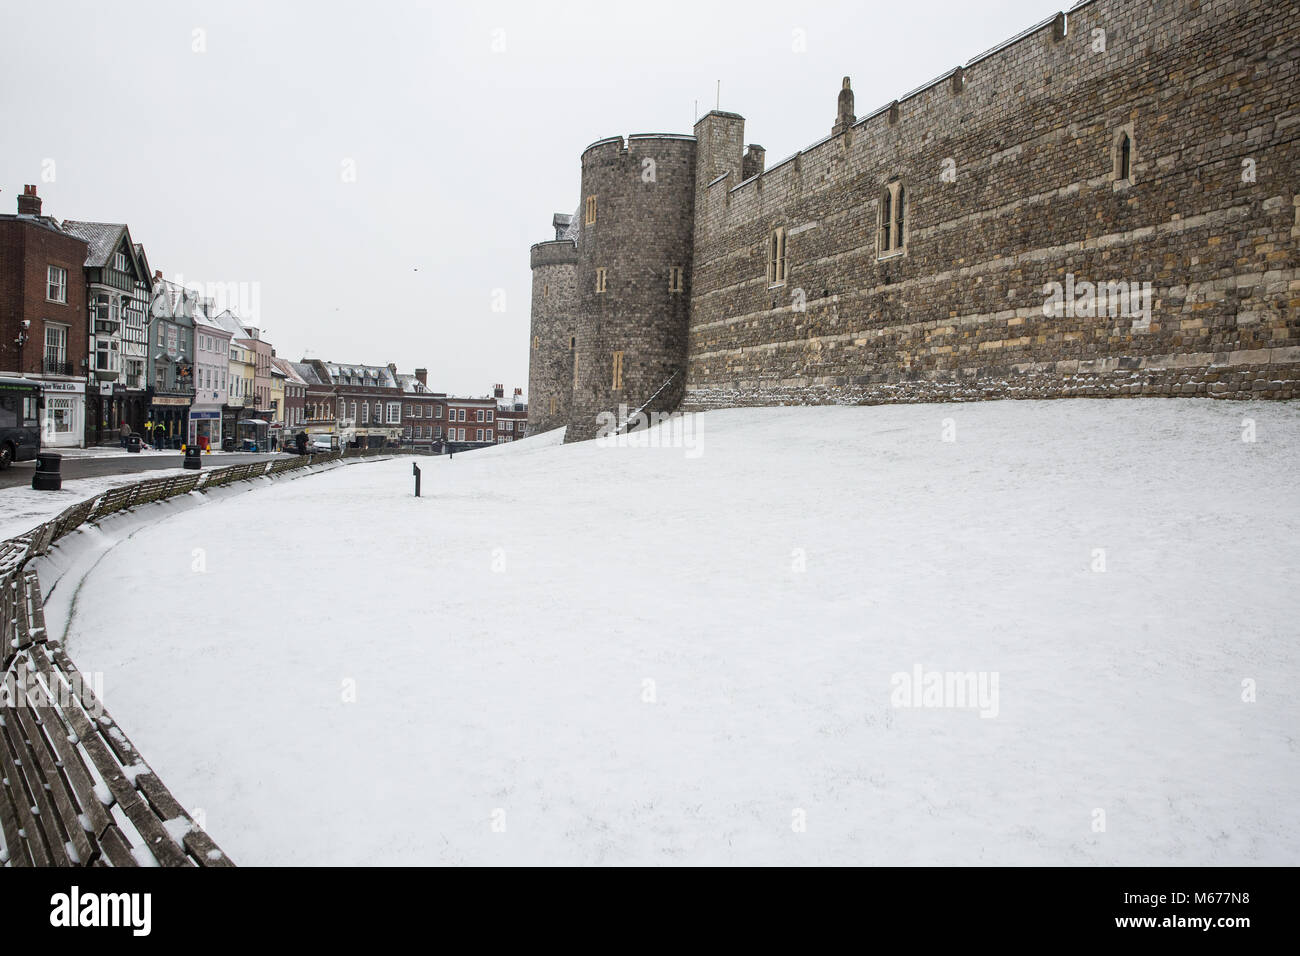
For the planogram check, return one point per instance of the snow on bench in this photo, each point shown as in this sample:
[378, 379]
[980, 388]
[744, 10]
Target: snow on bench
[74, 791]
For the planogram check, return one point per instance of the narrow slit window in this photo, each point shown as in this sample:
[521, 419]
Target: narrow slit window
[618, 370]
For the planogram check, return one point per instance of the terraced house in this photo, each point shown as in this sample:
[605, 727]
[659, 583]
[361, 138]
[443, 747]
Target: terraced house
[173, 315]
[119, 287]
[43, 332]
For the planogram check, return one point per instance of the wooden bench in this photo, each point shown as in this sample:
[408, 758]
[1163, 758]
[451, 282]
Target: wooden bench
[74, 791]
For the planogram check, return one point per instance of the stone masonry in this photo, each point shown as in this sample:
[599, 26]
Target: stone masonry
[1107, 204]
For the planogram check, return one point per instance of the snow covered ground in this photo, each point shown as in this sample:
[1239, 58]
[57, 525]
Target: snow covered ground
[22, 508]
[584, 654]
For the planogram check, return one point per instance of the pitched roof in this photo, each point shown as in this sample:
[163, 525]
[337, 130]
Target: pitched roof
[307, 373]
[288, 369]
[102, 239]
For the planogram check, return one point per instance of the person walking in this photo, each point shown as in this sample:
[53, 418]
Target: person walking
[124, 432]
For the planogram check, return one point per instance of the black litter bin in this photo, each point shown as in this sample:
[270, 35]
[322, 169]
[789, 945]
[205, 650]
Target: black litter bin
[193, 457]
[228, 445]
[48, 475]
[134, 443]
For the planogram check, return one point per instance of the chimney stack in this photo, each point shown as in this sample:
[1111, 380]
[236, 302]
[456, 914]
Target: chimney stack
[29, 204]
[422, 376]
[498, 391]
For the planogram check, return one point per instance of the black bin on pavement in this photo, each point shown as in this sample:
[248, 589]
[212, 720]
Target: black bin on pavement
[193, 457]
[48, 475]
[133, 443]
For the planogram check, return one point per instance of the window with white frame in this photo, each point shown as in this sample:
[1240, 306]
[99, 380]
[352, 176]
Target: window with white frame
[394, 413]
[57, 284]
[56, 344]
[490, 414]
[437, 431]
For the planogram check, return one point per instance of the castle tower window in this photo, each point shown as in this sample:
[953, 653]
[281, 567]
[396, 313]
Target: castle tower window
[590, 217]
[776, 257]
[535, 343]
[892, 237]
[618, 370]
[675, 279]
[601, 275]
[552, 404]
[1123, 156]
[573, 342]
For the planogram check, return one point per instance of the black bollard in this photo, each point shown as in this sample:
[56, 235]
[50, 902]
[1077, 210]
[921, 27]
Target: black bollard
[48, 476]
[415, 469]
[193, 457]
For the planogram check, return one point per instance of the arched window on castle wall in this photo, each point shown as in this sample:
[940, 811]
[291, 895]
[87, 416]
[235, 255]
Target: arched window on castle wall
[776, 262]
[1123, 157]
[891, 237]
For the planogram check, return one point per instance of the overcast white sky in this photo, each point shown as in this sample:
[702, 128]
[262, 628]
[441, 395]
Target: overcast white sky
[228, 164]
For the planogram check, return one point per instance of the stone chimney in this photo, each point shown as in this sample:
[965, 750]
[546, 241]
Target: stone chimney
[29, 204]
[422, 376]
[845, 118]
[751, 164]
[498, 391]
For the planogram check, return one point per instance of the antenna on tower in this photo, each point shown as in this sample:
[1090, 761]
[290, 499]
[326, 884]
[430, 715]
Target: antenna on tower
[718, 104]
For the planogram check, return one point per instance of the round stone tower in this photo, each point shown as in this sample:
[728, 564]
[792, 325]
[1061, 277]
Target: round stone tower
[553, 329]
[633, 274]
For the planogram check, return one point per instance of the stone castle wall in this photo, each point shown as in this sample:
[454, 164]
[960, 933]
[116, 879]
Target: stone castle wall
[1030, 196]
[1010, 167]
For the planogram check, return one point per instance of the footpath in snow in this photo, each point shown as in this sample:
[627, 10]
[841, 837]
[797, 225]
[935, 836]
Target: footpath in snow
[1067, 635]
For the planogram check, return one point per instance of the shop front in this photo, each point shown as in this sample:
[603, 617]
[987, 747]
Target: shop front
[63, 420]
[205, 428]
[168, 423]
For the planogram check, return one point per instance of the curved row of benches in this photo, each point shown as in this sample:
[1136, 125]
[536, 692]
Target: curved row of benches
[74, 791]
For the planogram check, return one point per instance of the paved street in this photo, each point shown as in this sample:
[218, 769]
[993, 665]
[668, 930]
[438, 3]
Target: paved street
[20, 473]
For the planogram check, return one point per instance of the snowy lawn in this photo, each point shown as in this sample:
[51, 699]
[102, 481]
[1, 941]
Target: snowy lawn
[583, 654]
[22, 508]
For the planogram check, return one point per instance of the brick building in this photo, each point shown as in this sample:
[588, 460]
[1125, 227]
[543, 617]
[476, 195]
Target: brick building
[471, 422]
[422, 408]
[368, 402]
[1104, 205]
[320, 406]
[43, 317]
[512, 418]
